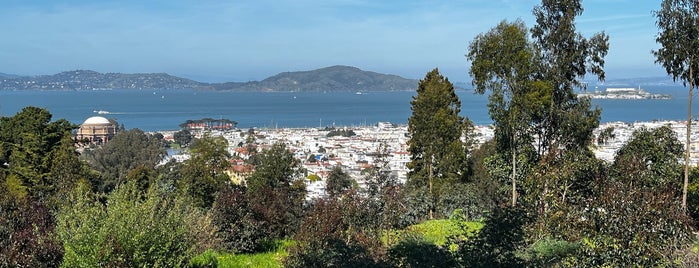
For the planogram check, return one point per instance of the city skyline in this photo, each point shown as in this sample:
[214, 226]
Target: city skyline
[216, 41]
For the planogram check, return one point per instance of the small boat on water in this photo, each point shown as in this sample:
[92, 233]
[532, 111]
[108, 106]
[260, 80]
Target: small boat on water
[100, 111]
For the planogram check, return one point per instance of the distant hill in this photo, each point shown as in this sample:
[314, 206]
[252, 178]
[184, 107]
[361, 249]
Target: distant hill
[329, 79]
[8, 76]
[335, 78]
[88, 80]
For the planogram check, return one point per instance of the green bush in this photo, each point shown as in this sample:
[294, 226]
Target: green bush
[547, 252]
[497, 243]
[326, 240]
[239, 229]
[133, 229]
[205, 260]
[413, 250]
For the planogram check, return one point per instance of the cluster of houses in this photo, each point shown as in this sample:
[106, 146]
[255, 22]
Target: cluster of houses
[319, 154]
[622, 133]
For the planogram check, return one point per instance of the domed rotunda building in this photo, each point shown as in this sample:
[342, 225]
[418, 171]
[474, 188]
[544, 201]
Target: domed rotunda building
[97, 129]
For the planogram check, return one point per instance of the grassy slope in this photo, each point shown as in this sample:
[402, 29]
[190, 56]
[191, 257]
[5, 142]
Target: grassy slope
[437, 231]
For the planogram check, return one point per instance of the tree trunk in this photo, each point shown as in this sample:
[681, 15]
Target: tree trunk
[514, 171]
[688, 145]
[431, 193]
[544, 194]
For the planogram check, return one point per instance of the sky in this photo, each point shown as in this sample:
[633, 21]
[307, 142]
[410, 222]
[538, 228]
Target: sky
[241, 40]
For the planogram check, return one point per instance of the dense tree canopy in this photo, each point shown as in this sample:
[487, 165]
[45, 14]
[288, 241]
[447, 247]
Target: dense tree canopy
[183, 137]
[204, 174]
[126, 151]
[338, 182]
[277, 191]
[650, 159]
[38, 165]
[27, 141]
[564, 128]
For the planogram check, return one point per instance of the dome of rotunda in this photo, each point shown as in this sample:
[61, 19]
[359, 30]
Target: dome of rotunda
[97, 120]
[97, 130]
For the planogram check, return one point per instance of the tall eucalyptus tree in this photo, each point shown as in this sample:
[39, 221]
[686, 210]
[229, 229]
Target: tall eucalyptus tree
[504, 62]
[678, 22]
[566, 125]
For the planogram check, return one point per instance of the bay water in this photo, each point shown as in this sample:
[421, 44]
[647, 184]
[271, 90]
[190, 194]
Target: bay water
[153, 110]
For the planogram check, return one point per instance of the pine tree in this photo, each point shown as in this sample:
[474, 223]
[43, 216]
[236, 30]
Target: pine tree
[435, 128]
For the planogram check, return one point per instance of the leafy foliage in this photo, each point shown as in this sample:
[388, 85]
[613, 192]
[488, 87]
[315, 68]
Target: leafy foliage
[605, 135]
[504, 62]
[239, 228]
[551, 253]
[158, 229]
[338, 182]
[497, 243]
[678, 23]
[126, 151]
[183, 137]
[439, 232]
[276, 191]
[435, 128]
[210, 123]
[38, 164]
[203, 175]
[341, 132]
[678, 36]
[693, 195]
[650, 159]
[414, 251]
[322, 241]
[27, 144]
[626, 227]
[27, 234]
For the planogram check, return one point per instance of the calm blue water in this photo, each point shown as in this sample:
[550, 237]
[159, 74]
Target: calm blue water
[165, 109]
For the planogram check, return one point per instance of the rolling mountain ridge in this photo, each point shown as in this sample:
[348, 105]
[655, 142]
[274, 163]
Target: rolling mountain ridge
[329, 79]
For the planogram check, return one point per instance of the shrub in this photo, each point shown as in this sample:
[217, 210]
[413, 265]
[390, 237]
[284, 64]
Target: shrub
[207, 259]
[158, 229]
[547, 252]
[321, 241]
[497, 243]
[413, 250]
[27, 235]
[239, 229]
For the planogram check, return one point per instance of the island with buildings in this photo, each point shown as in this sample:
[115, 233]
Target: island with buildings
[625, 93]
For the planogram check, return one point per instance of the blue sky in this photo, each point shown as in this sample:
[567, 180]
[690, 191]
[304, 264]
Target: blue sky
[219, 40]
